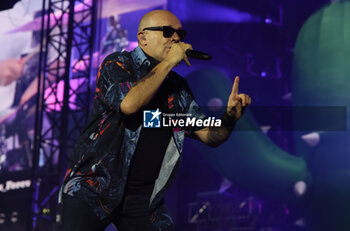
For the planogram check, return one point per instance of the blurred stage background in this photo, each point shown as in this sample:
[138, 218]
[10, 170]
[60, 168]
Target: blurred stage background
[265, 178]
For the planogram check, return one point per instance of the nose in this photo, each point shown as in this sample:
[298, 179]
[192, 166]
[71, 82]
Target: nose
[175, 38]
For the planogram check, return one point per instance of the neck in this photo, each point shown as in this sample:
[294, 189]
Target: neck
[154, 61]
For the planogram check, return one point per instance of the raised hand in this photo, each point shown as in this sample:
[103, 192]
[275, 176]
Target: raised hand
[237, 102]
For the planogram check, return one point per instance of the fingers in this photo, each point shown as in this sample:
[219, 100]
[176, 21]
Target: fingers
[186, 47]
[177, 53]
[245, 99]
[183, 46]
[235, 86]
[186, 60]
[189, 48]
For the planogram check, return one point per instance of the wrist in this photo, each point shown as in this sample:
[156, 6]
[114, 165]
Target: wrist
[169, 63]
[228, 121]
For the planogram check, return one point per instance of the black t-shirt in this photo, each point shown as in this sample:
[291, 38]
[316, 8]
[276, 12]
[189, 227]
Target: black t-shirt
[151, 146]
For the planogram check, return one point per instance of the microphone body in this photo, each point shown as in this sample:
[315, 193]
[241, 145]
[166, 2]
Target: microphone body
[197, 55]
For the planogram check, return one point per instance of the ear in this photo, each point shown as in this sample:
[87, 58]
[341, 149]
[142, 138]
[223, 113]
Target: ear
[141, 36]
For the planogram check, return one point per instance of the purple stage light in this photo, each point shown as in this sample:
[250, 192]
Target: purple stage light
[300, 188]
[215, 104]
[225, 184]
[210, 12]
[131, 45]
[276, 21]
[268, 20]
[110, 8]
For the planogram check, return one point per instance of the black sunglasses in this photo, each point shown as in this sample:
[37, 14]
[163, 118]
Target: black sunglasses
[168, 31]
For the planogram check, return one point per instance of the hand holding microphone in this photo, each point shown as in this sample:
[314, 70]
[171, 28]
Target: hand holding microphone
[179, 51]
[197, 55]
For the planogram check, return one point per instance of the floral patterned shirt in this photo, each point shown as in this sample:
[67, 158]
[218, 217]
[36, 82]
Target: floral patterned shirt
[102, 155]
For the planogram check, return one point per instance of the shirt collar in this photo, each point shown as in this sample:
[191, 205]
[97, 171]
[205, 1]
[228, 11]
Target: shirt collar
[139, 57]
[152, 61]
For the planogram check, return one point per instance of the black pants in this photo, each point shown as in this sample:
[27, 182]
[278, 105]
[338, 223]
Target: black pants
[132, 215]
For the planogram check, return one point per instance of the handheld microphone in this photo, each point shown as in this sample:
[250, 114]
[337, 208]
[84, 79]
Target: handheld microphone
[197, 55]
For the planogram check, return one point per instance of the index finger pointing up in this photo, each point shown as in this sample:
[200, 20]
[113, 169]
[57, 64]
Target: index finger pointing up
[235, 85]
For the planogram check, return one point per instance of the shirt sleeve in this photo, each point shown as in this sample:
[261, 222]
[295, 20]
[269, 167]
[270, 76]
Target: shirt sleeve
[108, 83]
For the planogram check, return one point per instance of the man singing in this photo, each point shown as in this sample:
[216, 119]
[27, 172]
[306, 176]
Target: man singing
[120, 171]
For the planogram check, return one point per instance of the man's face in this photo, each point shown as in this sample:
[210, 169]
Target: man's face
[157, 45]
